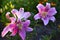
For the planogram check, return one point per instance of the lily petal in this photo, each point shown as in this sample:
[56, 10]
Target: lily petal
[47, 7]
[12, 26]
[5, 31]
[52, 11]
[15, 13]
[12, 19]
[37, 16]
[8, 28]
[29, 29]
[21, 10]
[26, 23]
[52, 18]
[46, 21]
[7, 15]
[21, 13]
[40, 7]
[22, 33]
[14, 32]
[26, 15]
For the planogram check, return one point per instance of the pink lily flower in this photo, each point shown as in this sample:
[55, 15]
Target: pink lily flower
[17, 25]
[45, 13]
[21, 29]
[9, 27]
[21, 14]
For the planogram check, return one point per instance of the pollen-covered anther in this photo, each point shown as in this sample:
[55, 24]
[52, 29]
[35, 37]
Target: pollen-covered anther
[44, 14]
[19, 26]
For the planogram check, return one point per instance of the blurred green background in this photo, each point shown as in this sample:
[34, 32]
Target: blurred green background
[40, 32]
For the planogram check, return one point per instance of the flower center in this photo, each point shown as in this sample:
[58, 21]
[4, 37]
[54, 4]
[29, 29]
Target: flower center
[44, 14]
[20, 26]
